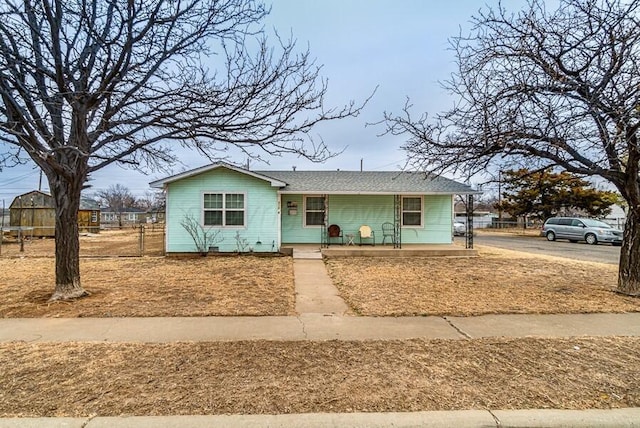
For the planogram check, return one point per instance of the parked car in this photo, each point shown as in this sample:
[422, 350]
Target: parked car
[580, 229]
[459, 228]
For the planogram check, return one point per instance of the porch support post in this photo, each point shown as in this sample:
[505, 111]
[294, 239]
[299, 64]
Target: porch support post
[324, 237]
[469, 234]
[397, 221]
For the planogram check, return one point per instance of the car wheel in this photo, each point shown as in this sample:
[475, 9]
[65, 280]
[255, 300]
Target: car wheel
[617, 244]
[551, 236]
[591, 239]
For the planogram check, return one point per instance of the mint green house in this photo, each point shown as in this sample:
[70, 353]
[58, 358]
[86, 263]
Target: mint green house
[263, 211]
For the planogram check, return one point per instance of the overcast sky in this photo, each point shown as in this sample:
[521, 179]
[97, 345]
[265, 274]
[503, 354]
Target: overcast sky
[400, 47]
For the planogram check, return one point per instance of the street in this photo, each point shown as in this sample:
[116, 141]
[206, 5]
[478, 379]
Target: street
[603, 253]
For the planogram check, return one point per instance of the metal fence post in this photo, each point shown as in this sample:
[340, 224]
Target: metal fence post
[141, 241]
[469, 240]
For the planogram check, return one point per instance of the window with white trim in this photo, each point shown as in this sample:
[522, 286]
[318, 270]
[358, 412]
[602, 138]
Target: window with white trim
[314, 210]
[412, 211]
[223, 209]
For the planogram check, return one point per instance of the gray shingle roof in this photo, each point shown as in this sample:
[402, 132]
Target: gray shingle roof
[366, 182]
[341, 182]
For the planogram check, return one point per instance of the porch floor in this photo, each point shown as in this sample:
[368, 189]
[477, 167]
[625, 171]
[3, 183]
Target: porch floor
[407, 250]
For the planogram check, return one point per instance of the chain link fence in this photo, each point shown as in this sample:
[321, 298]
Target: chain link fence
[511, 226]
[128, 241]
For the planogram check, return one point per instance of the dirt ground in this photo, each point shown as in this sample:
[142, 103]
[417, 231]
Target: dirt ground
[260, 377]
[153, 287]
[497, 282]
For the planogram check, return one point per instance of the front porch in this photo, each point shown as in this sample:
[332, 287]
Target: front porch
[407, 250]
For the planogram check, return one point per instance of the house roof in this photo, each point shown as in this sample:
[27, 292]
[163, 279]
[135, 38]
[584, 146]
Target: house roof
[89, 204]
[366, 182]
[124, 210]
[342, 182]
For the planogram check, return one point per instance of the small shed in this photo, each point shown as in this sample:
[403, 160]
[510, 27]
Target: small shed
[34, 212]
[89, 216]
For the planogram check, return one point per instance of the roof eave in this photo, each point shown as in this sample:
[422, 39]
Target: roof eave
[162, 183]
[355, 192]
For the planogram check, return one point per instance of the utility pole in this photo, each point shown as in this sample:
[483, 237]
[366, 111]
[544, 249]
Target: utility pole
[2, 228]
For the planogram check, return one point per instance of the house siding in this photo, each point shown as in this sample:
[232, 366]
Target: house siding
[352, 211]
[261, 211]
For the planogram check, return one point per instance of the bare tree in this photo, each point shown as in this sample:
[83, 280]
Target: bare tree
[151, 200]
[116, 198]
[153, 203]
[544, 88]
[89, 83]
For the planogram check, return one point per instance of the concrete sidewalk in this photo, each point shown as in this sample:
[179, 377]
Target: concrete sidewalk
[618, 418]
[313, 327]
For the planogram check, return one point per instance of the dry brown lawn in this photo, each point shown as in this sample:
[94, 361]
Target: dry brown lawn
[153, 287]
[258, 377]
[496, 282]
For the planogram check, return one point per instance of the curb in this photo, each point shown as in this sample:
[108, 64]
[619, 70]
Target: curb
[629, 417]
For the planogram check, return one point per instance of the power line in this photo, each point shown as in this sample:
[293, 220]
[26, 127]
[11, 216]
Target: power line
[18, 178]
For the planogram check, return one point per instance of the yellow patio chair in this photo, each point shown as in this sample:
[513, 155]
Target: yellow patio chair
[366, 233]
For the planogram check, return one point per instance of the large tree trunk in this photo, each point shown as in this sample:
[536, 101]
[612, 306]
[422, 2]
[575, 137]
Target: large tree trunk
[629, 270]
[66, 196]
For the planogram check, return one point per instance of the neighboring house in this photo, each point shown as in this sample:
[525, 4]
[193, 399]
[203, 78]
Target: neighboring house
[130, 216]
[617, 218]
[481, 219]
[155, 215]
[265, 210]
[34, 212]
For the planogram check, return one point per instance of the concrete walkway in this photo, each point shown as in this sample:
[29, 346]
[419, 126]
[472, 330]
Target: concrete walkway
[322, 316]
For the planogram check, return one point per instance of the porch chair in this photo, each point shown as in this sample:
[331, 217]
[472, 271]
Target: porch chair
[334, 231]
[365, 232]
[388, 231]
